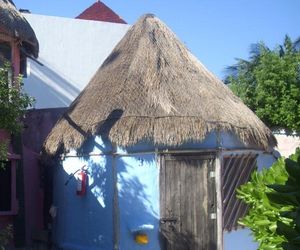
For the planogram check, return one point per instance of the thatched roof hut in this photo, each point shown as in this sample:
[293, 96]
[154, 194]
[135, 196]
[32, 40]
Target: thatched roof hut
[162, 95]
[15, 24]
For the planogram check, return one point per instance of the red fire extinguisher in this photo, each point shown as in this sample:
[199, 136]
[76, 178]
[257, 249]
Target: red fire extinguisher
[82, 178]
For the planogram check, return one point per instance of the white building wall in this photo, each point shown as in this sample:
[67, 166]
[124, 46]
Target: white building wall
[71, 51]
[287, 144]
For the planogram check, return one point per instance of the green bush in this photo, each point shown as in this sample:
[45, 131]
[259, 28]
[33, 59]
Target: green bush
[273, 199]
[13, 104]
[269, 83]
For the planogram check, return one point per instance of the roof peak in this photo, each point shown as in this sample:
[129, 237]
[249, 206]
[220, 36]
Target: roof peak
[98, 11]
[148, 15]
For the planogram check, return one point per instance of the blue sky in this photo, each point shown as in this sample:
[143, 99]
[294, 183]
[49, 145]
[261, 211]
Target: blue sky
[216, 31]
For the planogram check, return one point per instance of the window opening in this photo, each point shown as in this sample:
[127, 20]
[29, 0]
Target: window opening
[5, 186]
[5, 53]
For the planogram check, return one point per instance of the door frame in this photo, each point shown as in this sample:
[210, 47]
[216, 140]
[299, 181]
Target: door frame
[217, 176]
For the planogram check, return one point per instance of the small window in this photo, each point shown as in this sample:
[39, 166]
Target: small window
[23, 65]
[5, 53]
[5, 186]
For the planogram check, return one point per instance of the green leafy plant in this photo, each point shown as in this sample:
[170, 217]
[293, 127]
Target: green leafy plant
[6, 235]
[272, 214]
[13, 101]
[263, 215]
[13, 104]
[289, 195]
[269, 83]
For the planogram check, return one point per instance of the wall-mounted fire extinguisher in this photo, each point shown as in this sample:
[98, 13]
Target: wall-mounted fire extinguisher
[81, 182]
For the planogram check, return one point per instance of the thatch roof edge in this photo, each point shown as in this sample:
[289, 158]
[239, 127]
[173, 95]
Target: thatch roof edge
[160, 131]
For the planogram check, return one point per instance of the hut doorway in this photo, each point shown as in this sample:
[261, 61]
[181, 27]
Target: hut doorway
[188, 202]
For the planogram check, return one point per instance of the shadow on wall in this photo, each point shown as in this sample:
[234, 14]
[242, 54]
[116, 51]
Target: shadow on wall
[87, 222]
[138, 199]
[92, 221]
[48, 87]
[84, 222]
[37, 125]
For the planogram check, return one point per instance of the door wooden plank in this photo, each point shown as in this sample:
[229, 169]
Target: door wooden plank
[212, 212]
[200, 208]
[188, 194]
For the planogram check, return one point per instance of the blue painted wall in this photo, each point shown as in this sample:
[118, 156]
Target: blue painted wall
[84, 222]
[239, 240]
[87, 222]
[138, 187]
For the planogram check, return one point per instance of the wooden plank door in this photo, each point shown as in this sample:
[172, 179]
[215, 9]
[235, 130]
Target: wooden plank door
[188, 203]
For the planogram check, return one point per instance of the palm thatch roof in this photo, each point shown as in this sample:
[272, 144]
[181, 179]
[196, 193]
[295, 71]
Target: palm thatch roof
[152, 89]
[15, 24]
